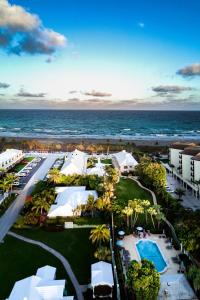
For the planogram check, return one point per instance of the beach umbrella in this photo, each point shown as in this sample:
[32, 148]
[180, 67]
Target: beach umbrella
[119, 243]
[121, 232]
[139, 228]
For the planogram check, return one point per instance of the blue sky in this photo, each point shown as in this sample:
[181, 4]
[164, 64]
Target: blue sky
[142, 54]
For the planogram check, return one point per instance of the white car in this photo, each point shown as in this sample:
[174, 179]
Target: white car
[22, 174]
[16, 183]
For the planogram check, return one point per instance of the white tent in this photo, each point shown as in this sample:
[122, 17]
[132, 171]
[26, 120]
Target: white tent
[75, 163]
[101, 274]
[125, 161]
[68, 199]
[175, 287]
[43, 286]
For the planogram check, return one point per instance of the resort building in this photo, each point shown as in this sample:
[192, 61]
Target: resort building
[41, 286]
[75, 163]
[102, 280]
[69, 200]
[9, 158]
[98, 169]
[124, 161]
[184, 160]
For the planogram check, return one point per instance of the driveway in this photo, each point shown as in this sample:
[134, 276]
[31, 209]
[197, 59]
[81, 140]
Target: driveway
[189, 201]
[10, 216]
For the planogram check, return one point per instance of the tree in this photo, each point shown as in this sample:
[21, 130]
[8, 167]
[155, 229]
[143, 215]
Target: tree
[103, 253]
[153, 212]
[145, 204]
[180, 193]
[100, 234]
[137, 209]
[7, 182]
[143, 279]
[194, 275]
[54, 176]
[91, 204]
[127, 211]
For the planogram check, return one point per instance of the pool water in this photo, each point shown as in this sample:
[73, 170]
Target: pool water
[149, 250]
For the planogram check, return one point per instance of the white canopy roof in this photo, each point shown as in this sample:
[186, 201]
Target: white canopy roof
[9, 154]
[175, 286]
[102, 274]
[42, 287]
[99, 169]
[68, 199]
[124, 158]
[75, 163]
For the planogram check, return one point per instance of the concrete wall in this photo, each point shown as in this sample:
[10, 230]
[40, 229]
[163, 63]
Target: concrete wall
[186, 167]
[196, 170]
[174, 157]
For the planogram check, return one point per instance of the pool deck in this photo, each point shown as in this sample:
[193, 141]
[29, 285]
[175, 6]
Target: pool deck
[129, 244]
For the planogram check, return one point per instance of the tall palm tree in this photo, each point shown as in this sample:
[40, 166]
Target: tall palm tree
[145, 204]
[103, 253]
[137, 209]
[54, 176]
[91, 204]
[180, 193]
[100, 234]
[11, 177]
[127, 211]
[40, 205]
[152, 211]
[194, 275]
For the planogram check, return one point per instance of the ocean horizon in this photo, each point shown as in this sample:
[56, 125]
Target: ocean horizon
[100, 124]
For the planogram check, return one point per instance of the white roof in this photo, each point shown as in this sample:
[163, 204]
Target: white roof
[68, 199]
[46, 272]
[75, 163]
[99, 169]
[9, 154]
[125, 158]
[176, 287]
[39, 287]
[101, 274]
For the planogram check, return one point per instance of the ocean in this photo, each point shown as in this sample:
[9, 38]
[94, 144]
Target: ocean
[100, 124]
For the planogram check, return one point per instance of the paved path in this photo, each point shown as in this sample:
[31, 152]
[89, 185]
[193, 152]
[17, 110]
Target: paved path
[78, 288]
[10, 216]
[144, 188]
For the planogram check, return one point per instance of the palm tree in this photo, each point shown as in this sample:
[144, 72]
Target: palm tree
[7, 182]
[103, 253]
[137, 209]
[128, 211]
[91, 204]
[152, 211]
[40, 205]
[179, 192]
[100, 234]
[145, 204]
[194, 275]
[54, 176]
[160, 216]
[11, 177]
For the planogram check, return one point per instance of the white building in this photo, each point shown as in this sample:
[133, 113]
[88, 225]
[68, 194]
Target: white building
[102, 275]
[68, 200]
[124, 161]
[75, 163]
[98, 169]
[41, 286]
[9, 158]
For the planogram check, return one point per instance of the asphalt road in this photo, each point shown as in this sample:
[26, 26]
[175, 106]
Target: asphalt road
[10, 216]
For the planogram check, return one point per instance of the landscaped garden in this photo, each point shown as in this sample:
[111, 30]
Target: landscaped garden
[22, 164]
[20, 260]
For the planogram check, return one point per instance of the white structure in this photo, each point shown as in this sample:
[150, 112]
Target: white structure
[185, 161]
[98, 169]
[174, 287]
[68, 199]
[124, 161]
[10, 157]
[41, 286]
[75, 163]
[102, 275]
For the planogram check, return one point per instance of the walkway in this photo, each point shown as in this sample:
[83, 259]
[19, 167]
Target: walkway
[62, 259]
[146, 189]
[10, 216]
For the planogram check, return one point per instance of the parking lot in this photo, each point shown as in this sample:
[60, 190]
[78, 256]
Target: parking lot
[28, 171]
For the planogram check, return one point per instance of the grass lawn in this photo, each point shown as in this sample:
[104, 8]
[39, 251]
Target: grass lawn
[20, 260]
[23, 163]
[74, 244]
[127, 189]
[107, 161]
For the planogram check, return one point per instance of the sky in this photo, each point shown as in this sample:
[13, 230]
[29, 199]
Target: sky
[102, 54]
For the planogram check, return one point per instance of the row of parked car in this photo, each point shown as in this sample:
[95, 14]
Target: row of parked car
[26, 170]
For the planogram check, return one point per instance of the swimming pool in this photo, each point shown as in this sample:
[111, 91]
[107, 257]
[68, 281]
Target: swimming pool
[149, 249]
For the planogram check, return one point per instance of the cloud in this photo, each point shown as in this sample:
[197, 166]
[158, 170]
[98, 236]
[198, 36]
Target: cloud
[141, 24]
[4, 85]
[73, 92]
[22, 93]
[23, 32]
[190, 71]
[170, 89]
[97, 94]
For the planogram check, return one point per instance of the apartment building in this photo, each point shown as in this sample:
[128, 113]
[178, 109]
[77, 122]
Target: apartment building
[9, 158]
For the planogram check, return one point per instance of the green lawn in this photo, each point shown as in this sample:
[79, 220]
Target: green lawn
[107, 161]
[127, 189]
[23, 163]
[74, 244]
[19, 260]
